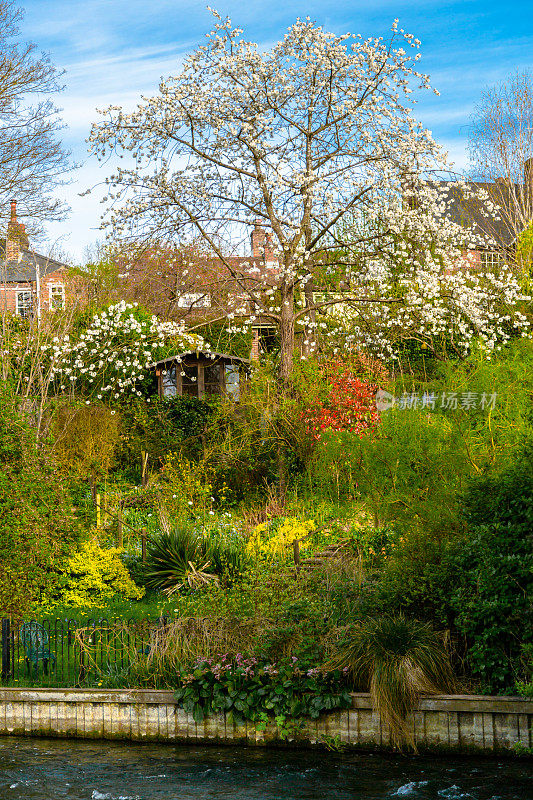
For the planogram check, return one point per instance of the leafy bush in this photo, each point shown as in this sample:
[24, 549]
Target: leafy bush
[348, 404]
[160, 427]
[493, 591]
[241, 450]
[189, 415]
[247, 689]
[410, 471]
[269, 541]
[38, 526]
[478, 584]
[395, 659]
[92, 576]
[84, 439]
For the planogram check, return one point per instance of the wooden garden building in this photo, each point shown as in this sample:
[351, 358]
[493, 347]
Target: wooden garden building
[201, 374]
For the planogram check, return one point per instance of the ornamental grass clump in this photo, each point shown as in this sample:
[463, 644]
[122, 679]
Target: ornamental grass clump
[396, 659]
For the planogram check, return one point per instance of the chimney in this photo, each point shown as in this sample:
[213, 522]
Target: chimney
[16, 235]
[262, 243]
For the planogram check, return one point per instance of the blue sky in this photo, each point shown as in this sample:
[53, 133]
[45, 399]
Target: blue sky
[115, 50]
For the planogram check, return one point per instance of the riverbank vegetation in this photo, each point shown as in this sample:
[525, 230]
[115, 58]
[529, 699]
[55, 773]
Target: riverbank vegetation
[356, 515]
[280, 528]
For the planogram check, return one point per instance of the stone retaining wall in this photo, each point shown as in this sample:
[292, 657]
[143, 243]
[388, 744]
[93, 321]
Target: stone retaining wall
[460, 723]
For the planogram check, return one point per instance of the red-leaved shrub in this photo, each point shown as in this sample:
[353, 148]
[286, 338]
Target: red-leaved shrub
[348, 406]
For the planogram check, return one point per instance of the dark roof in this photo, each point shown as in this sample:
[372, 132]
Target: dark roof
[25, 269]
[206, 353]
[473, 214]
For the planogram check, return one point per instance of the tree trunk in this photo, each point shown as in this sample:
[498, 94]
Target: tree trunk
[309, 345]
[286, 337]
[285, 372]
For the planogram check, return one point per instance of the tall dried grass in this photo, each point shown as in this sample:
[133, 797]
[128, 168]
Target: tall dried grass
[396, 660]
[129, 655]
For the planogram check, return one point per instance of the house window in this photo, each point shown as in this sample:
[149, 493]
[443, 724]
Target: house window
[194, 300]
[491, 259]
[24, 304]
[170, 388]
[232, 381]
[56, 297]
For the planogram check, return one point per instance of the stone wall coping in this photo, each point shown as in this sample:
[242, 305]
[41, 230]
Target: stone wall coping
[468, 703]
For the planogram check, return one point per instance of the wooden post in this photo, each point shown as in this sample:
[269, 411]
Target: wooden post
[200, 380]
[120, 534]
[144, 469]
[296, 548]
[98, 510]
[143, 544]
[83, 671]
[6, 649]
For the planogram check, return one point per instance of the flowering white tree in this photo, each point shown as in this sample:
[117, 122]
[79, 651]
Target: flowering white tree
[111, 357]
[316, 138]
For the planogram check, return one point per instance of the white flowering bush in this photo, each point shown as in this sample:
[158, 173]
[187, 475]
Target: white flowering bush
[427, 292]
[112, 355]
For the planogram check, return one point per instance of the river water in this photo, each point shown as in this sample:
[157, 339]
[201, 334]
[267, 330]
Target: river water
[46, 769]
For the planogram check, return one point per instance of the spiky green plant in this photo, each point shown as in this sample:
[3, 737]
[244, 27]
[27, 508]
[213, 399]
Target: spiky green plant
[396, 659]
[169, 556]
[180, 558]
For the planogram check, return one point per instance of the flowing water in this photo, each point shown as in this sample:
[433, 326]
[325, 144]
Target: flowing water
[46, 769]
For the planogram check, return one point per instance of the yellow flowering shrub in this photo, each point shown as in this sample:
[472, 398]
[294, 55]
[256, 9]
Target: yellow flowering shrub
[94, 575]
[272, 543]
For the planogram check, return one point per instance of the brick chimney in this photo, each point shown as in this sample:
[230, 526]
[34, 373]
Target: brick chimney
[262, 246]
[16, 235]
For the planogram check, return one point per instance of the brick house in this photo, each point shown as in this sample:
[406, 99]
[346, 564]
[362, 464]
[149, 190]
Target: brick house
[503, 211]
[30, 283]
[194, 287]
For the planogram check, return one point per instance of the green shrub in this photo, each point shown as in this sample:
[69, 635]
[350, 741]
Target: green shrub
[477, 584]
[38, 526]
[410, 472]
[159, 427]
[250, 690]
[493, 594]
[84, 439]
[91, 577]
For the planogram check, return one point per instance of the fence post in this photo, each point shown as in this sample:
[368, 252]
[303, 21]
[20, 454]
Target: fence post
[97, 510]
[143, 544]
[296, 548]
[144, 469]
[6, 649]
[120, 535]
